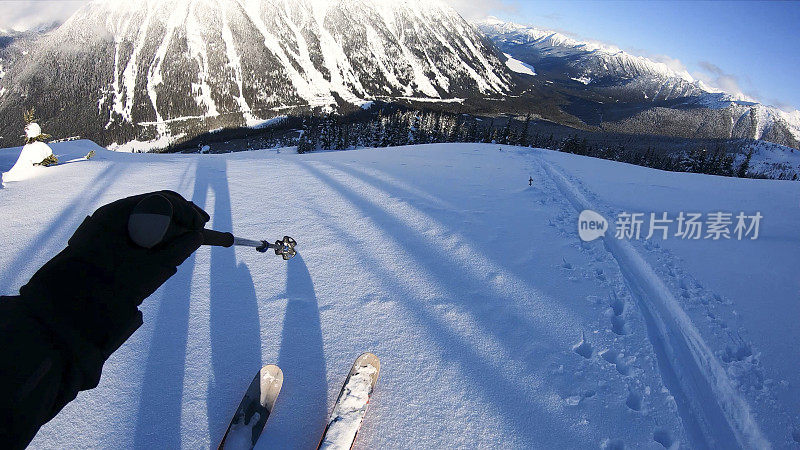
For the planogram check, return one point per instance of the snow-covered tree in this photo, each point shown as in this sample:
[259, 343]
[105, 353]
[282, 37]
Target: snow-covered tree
[33, 132]
[34, 153]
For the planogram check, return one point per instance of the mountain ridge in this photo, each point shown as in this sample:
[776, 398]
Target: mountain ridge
[631, 79]
[242, 61]
[149, 75]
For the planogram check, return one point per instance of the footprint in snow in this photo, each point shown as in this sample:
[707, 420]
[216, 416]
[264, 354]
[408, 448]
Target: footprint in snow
[663, 437]
[617, 305]
[739, 353]
[619, 326]
[583, 348]
[616, 358]
[634, 401]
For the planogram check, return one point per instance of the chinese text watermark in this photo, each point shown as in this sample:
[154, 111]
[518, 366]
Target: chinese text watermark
[685, 225]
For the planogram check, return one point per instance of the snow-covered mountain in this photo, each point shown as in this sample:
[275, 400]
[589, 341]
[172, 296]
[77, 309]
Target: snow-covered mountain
[14, 45]
[121, 71]
[147, 74]
[663, 94]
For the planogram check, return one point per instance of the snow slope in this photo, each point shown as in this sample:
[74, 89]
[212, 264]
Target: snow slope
[495, 325]
[519, 66]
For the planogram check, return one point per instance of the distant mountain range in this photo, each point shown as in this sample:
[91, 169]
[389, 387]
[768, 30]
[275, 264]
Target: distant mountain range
[619, 92]
[142, 75]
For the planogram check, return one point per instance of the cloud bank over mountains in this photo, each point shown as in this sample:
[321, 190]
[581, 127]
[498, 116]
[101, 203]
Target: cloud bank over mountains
[26, 15]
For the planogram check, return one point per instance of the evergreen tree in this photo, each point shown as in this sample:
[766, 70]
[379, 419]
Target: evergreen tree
[503, 137]
[522, 140]
[455, 130]
[487, 133]
[415, 132]
[741, 172]
[304, 144]
[33, 132]
[471, 134]
[326, 138]
[436, 129]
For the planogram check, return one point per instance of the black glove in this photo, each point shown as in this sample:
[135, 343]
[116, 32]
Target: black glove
[95, 284]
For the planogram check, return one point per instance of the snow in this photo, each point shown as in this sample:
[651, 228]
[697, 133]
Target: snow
[137, 146]
[350, 410]
[519, 66]
[431, 100]
[495, 325]
[33, 130]
[259, 123]
[707, 384]
[31, 154]
[240, 435]
[771, 159]
[586, 80]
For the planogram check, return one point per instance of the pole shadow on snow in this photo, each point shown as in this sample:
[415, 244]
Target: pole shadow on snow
[53, 238]
[448, 272]
[234, 332]
[502, 393]
[491, 387]
[159, 418]
[302, 359]
[234, 322]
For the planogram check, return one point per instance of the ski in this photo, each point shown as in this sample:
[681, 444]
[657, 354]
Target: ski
[254, 410]
[351, 405]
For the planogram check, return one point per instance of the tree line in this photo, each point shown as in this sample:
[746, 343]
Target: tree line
[333, 132]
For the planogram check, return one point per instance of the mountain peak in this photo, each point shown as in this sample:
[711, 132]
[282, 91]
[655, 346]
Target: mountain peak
[557, 43]
[158, 68]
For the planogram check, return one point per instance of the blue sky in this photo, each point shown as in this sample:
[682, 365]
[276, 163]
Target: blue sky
[752, 47]
[740, 46]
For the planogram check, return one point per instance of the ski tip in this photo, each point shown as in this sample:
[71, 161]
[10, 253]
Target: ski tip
[271, 374]
[370, 359]
[271, 381]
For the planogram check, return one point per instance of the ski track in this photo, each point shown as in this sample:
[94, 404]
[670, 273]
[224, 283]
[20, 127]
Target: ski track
[711, 403]
[407, 253]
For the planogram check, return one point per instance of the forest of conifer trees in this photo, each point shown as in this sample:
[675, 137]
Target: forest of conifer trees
[415, 127]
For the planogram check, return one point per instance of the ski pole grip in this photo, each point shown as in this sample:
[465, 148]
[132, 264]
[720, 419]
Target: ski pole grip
[150, 220]
[217, 238]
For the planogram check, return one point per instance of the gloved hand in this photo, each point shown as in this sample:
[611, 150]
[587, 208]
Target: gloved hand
[97, 282]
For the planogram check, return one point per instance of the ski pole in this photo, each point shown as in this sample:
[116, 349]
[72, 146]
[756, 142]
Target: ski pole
[150, 223]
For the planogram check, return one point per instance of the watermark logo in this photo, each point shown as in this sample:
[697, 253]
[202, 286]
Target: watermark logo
[714, 226]
[591, 225]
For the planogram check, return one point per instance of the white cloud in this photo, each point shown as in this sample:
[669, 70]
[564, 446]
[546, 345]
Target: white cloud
[479, 9]
[24, 15]
[712, 75]
[674, 64]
